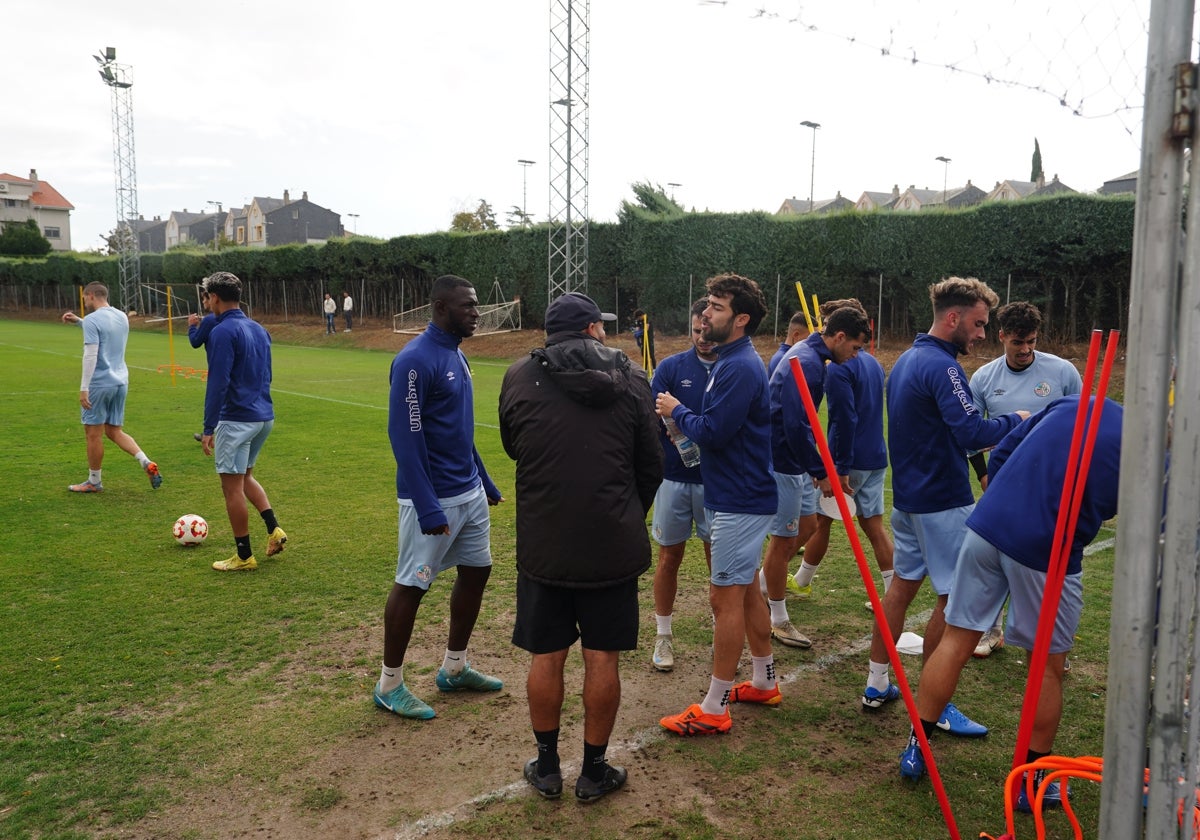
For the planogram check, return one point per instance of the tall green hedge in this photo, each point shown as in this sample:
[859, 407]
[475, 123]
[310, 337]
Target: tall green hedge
[1069, 254]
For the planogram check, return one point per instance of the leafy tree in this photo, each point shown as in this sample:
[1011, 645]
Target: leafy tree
[483, 218]
[23, 240]
[117, 237]
[516, 217]
[1036, 174]
[652, 202]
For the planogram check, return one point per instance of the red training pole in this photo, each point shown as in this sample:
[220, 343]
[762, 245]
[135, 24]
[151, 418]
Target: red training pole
[814, 422]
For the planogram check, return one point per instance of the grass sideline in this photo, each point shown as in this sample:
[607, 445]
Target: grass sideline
[121, 653]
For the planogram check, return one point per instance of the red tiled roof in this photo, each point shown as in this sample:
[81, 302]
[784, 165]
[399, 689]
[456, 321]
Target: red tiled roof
[46, 196]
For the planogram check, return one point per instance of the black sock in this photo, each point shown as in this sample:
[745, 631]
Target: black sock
[243, 547]
[929, 727]
[593, 761]
[547, 744]
[1033, 755]
[268, 516]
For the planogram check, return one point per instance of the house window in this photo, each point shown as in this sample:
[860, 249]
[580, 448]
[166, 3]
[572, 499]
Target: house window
[10, 202]
[52, 233]
[258, 233]
[295, 214]
[241, 234]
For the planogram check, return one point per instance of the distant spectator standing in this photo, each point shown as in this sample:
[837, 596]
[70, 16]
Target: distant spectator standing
[1020, 379]
[643, 334]
[679, 503]
[330, 307]
[443, 491]
[348, 310]
[578, 419]
[104, 386]
[238, 416]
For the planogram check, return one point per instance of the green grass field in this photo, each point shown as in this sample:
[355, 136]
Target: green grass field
[123, 654]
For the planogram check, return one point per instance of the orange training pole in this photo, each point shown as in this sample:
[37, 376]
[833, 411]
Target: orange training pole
[910, 704]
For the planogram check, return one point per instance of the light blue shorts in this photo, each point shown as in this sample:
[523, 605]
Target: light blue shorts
[677, 505]
[108, 407]
[737, 542]
[927, 544]
[236, 445]
[422, 557]
[798, 497]
[868, 491]
[986, 576]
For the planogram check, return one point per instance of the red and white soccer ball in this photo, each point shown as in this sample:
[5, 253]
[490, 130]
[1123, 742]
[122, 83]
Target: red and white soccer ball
[190, 529]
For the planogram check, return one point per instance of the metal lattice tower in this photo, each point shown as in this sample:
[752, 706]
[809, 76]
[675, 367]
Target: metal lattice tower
[569, 39]
[119, 77]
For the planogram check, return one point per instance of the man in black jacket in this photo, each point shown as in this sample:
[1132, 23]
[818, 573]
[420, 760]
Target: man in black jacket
[579, 421]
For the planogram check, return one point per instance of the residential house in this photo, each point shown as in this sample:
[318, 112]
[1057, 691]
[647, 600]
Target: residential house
[1123, 184]
[301, 222]
[22, 199]
[151, 234]
[793, 206]
[1055, 187]
[869, 201]
[1014, 190]
[953, 198]
[183, 226]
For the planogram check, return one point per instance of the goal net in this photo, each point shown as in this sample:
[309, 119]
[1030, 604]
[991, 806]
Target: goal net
[503, 316]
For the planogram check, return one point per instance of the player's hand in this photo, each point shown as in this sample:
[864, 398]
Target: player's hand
[983, 482]
[825, 486]
[70, 318]
[844, 480]
[84, 399]
[1024, 415]
[436, 532]
[193, 320]
[493, 502]
[206, 444]
[664, 404]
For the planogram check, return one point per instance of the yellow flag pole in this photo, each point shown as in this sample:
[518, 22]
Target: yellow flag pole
[817, 309]
[804, 306]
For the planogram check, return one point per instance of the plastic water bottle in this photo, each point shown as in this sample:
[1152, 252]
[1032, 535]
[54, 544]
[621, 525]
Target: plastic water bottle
[689, 452]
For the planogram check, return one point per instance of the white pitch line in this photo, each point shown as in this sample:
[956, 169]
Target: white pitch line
[640, 740]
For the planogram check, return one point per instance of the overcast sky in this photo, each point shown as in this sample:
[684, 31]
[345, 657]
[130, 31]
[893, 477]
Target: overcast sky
[406, 112]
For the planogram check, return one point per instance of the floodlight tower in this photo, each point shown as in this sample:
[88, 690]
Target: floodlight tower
[119, 77]
[568, 253]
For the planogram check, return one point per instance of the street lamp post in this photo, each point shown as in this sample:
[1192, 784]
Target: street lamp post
[525, 164]
[673, 185]
[945, 174]
[354, 216]
[216, 238]
[812, 176]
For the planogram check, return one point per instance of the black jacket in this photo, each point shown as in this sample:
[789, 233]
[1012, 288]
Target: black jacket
[579, 421]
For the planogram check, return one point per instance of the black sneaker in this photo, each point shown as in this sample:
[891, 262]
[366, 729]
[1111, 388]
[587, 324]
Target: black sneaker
[549, 786]
[588, 791]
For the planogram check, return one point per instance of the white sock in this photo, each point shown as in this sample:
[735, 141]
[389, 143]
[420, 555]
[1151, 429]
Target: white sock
[94, 476]
[663, 623]
[389, 678]
[454, 661]
[877, 676]
[717, 699]
[779, 613]
[764, 672]
[804, 574]
[142, 459]
[887, 579]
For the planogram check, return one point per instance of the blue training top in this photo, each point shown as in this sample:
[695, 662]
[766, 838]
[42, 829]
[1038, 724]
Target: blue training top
[431, 424]
[855, 392]
[239, 372]
[683, 375]
[932, 425]
[733, 431]
[793, 447]
[1018, 512]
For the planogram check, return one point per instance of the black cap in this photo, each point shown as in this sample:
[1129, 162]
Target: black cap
[574, 312]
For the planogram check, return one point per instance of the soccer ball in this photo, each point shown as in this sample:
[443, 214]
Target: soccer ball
[190, 529]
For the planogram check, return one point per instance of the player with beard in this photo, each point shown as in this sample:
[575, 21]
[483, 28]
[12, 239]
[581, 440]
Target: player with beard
[733, 430]
[932, 422]
[444, 493]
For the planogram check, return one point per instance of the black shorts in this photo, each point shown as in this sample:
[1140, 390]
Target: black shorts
[551, 618]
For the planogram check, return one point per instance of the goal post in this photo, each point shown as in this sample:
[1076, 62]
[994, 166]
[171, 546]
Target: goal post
[504, 316]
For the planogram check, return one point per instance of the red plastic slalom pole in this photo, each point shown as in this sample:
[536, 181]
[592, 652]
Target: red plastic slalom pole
[1074, 482]
[814, 422]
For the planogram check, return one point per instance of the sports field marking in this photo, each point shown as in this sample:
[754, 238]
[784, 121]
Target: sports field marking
[640, 740]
